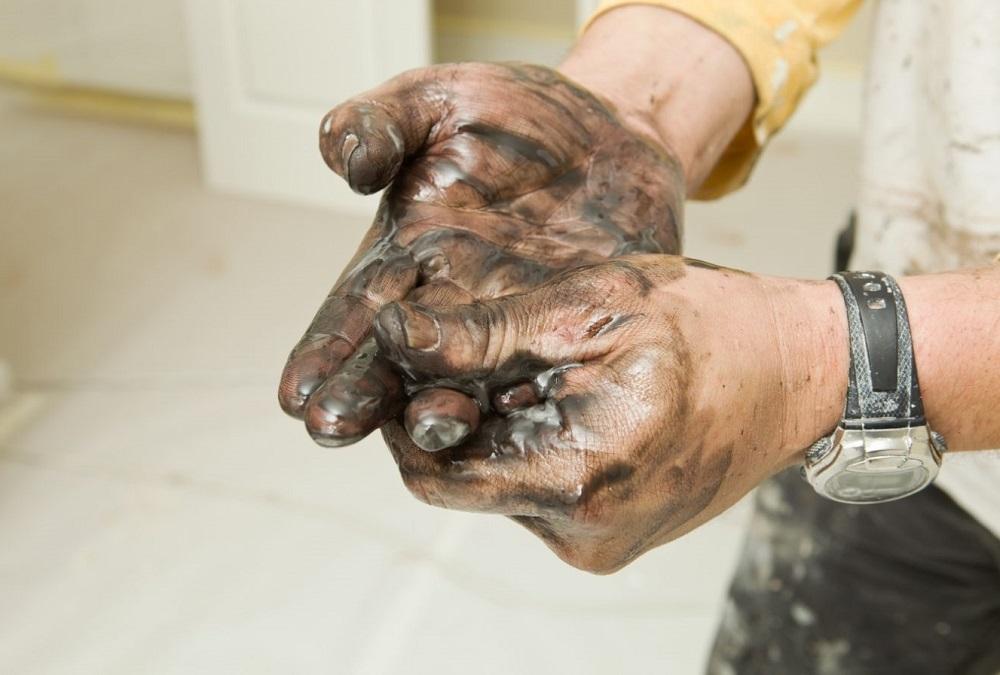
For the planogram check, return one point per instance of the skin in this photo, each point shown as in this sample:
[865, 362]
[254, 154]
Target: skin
[955, 321]
[671, 388]
[606, 406]
[483, 202]
[653, 420]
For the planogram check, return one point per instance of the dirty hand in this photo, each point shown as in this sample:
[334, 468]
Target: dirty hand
[628, 401]
[498, 177]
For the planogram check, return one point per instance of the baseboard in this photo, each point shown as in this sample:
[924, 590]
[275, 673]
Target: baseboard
[42, 81]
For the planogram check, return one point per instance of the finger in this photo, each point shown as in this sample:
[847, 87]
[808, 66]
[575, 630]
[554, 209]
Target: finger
[360, 397]
[554, 459]
[475, 479]
[515, 397]
[440, 418]
[381, 274]
[366, 392]
[532, 462]
[482, 267]
[473, 341]
[366, 139]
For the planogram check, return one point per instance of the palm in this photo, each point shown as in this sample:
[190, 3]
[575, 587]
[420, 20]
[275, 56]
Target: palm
[507, 199]
[500, 176]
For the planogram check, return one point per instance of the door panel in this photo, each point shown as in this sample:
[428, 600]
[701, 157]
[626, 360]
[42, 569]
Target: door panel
[122, 45]
[267, 70]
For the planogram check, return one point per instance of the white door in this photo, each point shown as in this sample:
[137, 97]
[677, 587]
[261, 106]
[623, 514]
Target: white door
[265, 72]
[121, 45]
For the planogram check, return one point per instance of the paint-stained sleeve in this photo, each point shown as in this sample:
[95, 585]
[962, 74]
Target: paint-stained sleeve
[778, 39]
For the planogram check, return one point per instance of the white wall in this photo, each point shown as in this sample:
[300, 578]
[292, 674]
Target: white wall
[129, 45]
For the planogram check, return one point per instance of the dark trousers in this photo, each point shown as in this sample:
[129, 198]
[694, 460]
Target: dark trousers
[908, 587]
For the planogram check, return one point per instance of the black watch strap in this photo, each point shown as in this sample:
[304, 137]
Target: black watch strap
[883, 390]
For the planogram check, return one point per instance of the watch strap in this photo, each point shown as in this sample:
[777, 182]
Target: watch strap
[883, 389]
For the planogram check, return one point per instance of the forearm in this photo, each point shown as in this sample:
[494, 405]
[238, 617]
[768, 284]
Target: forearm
[670, 78]
[955, 321]
[955, 324]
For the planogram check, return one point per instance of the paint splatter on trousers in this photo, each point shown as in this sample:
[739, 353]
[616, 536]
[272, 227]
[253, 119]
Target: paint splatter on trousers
[911, 586]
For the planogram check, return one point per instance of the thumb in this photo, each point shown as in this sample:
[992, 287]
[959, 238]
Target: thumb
[367, 138]
[479, 339]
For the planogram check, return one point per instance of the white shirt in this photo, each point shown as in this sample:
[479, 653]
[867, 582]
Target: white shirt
[930, 176]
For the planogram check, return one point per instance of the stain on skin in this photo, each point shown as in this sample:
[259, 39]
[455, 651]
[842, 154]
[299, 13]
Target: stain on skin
[602, 458]
[515, 397]
[483, 202]
[538, 429]
[701, 264]
[612, 482]
[480, 198]
[595, 329]
[540, 528]
[514, 146]
[607, 324]
[642, 282]
[479, 266]
[612, 475]
[708, 475]
[551, 378]
[550, 501]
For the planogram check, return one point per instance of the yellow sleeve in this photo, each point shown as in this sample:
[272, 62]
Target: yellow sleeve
[779, 40]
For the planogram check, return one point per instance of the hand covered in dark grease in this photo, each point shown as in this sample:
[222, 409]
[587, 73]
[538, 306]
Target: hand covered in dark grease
[498, 177]
[629, 401]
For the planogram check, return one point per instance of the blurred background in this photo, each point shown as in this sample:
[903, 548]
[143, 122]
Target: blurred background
[167, 230]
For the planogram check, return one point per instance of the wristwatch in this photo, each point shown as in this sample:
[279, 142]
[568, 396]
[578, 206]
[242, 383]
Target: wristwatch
[882, 449]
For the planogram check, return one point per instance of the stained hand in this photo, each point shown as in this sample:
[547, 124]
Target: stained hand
[628, 401]
[499, 177]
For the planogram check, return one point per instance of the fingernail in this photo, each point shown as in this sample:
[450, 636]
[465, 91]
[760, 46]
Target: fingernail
[347, 150]
[331, 421]
[420, 331]
[440, 418]
[437, 435]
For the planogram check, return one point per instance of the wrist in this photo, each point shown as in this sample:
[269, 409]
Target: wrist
[774, 357]
[669, 78]
[953, 322]
[784, 341]
[811, 339]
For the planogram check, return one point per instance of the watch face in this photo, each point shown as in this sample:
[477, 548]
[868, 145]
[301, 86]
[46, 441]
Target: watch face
[877, 486]
[873, 465]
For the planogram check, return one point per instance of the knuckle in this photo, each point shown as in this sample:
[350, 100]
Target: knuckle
[433, 252]
[496, 325]
[419, 76]
[605, 284]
